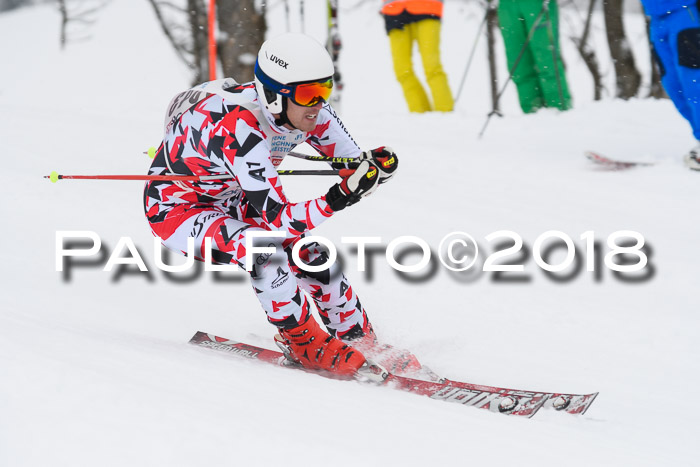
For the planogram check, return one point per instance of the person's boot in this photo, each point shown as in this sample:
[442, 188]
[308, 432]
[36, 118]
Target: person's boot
[313, 348]
[692, 159]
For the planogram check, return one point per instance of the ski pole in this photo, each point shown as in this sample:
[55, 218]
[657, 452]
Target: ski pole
[151, 152]
[491, 26]
[471, 55]
[530, 34]
[55, 176]
[342, 160]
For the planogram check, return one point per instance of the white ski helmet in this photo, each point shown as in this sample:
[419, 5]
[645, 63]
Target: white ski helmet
[287, 60]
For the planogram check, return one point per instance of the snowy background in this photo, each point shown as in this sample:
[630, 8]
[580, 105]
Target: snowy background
[95, 368]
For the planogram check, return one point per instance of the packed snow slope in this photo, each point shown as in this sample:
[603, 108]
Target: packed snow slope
[94, 365]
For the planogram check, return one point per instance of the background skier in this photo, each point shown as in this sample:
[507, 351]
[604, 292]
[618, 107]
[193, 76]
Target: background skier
[675, 33]
[530, 32]
[409, 21]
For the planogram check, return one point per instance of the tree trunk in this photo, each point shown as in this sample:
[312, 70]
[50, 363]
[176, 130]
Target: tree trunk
[197, 16]
[588, 54]
[627, 76]
[242, 29]
[656, 89]
[77, 17]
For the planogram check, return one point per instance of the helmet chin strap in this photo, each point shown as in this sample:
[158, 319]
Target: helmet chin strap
[283, 118]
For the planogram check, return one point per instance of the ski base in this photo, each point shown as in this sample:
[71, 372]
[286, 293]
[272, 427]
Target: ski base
[495, 399]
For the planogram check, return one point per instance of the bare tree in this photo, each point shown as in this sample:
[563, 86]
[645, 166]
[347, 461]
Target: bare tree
[7, 5]
[656, 89]
[242, 26]
[80, 14]
[199, 45]
[187, 30]
[170, 29]
[588, 53]
[627, 76]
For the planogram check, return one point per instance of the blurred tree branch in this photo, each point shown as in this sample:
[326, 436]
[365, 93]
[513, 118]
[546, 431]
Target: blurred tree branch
[77, 12]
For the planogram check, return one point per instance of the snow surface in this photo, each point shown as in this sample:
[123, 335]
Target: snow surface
[96, 370]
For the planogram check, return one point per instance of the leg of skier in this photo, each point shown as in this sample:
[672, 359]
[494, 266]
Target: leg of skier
[515, 33]
[343, 314]
[428, 36]
[338, 305]
[272, 279]
[547, 57]
[401, 42]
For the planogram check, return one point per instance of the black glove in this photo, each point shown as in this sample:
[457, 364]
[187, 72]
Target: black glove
[385, 159]
[362, 182]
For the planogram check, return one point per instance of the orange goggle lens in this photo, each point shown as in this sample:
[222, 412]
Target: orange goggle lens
[309, 94]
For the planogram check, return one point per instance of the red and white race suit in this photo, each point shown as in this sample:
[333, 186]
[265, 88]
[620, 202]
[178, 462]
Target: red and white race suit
[219, 128]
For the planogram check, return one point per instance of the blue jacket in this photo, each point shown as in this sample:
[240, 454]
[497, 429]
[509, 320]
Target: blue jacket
[662, 7]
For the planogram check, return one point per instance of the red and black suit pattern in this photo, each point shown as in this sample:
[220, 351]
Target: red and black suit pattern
[219, 129]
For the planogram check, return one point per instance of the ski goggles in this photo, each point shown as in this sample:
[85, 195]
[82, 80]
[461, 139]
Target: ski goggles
[305, 93]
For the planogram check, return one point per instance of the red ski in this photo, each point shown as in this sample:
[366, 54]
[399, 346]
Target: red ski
[495, 399]
[614, 164]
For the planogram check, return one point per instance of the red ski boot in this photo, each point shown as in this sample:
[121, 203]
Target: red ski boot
[314, 348]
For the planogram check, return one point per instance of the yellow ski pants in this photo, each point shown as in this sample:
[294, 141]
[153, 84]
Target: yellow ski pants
[427, 33]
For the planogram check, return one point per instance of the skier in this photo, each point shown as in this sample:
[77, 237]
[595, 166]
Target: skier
[533, 55]
[245, 130]
[418, 21]
[675, 33]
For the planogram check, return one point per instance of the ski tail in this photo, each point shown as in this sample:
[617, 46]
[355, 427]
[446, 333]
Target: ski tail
[211, 341]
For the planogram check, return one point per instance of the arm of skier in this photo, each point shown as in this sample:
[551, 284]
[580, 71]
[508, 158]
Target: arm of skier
[249, 161]
[332, 139]
[260, 183]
